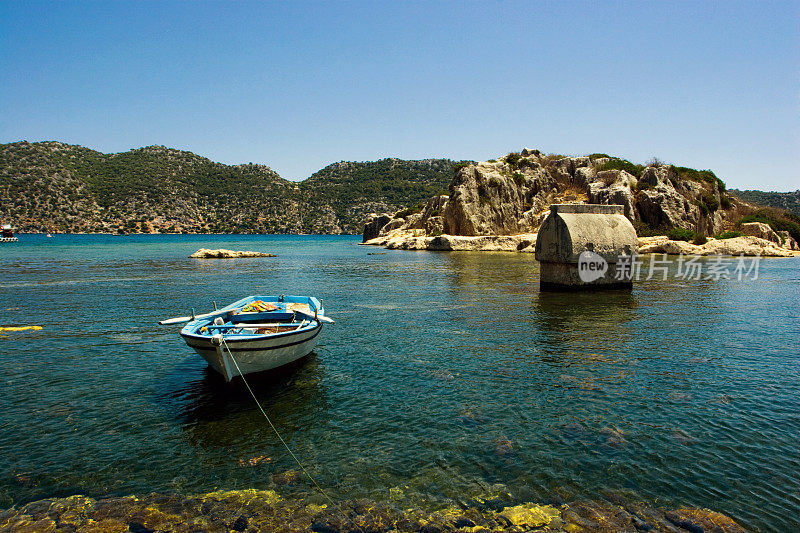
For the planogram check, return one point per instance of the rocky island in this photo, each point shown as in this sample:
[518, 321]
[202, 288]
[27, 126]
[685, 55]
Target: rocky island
[498, 205]
[222, 253]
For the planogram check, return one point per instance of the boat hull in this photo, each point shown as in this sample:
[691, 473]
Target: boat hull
[254, 355]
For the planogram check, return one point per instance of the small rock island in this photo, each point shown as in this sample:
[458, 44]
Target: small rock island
[499, 205]
[222, 253]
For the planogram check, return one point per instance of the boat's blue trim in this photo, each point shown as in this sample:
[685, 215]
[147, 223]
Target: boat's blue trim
[252, 337]
[228, 341]
[190, 328]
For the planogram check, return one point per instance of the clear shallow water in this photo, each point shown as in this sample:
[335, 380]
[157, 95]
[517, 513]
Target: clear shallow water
[447, 375]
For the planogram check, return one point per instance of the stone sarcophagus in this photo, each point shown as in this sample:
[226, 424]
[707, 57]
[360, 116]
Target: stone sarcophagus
[586, 247]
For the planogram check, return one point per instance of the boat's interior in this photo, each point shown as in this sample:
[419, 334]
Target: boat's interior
[259, 315]
[284, 318]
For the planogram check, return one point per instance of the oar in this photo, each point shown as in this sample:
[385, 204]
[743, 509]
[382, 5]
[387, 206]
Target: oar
[317, 316]
[179, 319]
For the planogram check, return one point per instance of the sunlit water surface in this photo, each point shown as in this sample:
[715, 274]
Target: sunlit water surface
[446, 376]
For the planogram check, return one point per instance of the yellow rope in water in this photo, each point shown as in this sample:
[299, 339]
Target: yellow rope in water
[296, 460]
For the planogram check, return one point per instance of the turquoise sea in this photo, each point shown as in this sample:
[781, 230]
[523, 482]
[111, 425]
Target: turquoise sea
[447, 376]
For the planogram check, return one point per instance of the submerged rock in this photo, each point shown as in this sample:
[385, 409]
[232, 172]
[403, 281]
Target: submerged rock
[244, 497]
[614, 436]
[683, 437]
[222, 253]
[530, 515]
[722, 399]
[471, 416]
[573, 430]
[358, 515]
[703, 520]
[254, 461]
[289, 477]
[503, 447]
[258, 510]
[598, 516]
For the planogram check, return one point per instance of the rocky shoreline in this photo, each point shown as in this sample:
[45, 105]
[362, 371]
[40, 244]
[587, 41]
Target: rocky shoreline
[404, 239]
[265, 510]
[415, 240]
[745, 245]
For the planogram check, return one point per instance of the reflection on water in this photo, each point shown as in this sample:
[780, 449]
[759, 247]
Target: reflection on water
[447, 376]
[210, 397]
[216, 414]
[587, 320]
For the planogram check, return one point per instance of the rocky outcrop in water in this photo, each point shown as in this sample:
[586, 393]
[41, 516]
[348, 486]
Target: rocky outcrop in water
[374, 224]
[512, 195]
[747, 245]
[222, 253]
[526, 243]
[418, 240]
[265, 510]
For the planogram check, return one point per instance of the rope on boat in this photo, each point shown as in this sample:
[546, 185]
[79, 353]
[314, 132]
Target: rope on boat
[296, 460]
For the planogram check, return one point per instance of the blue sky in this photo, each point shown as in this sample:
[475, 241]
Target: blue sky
[299, 85]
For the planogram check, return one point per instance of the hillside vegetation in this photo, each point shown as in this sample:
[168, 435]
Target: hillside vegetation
[790, 201]
[353, 190]
[52, 186]
[57, 187]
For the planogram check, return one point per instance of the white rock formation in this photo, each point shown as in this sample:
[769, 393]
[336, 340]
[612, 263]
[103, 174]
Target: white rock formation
[746, 245]
[221, 253]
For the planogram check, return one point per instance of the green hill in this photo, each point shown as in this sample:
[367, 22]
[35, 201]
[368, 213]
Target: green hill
[354, 190]
[52, 186]
[790, 201]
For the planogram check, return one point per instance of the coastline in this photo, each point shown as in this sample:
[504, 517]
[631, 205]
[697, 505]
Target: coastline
[54, 233]
[405, 239]
[266, 510]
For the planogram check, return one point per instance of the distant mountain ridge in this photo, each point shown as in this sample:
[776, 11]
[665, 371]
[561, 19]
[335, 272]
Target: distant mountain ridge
[53, 186]
[57, 187]
[790, 201]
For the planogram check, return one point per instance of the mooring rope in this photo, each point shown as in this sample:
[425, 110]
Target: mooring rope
[296, 460]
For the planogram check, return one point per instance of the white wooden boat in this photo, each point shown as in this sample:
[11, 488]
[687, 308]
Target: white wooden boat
[256, 334]
[7, 233]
